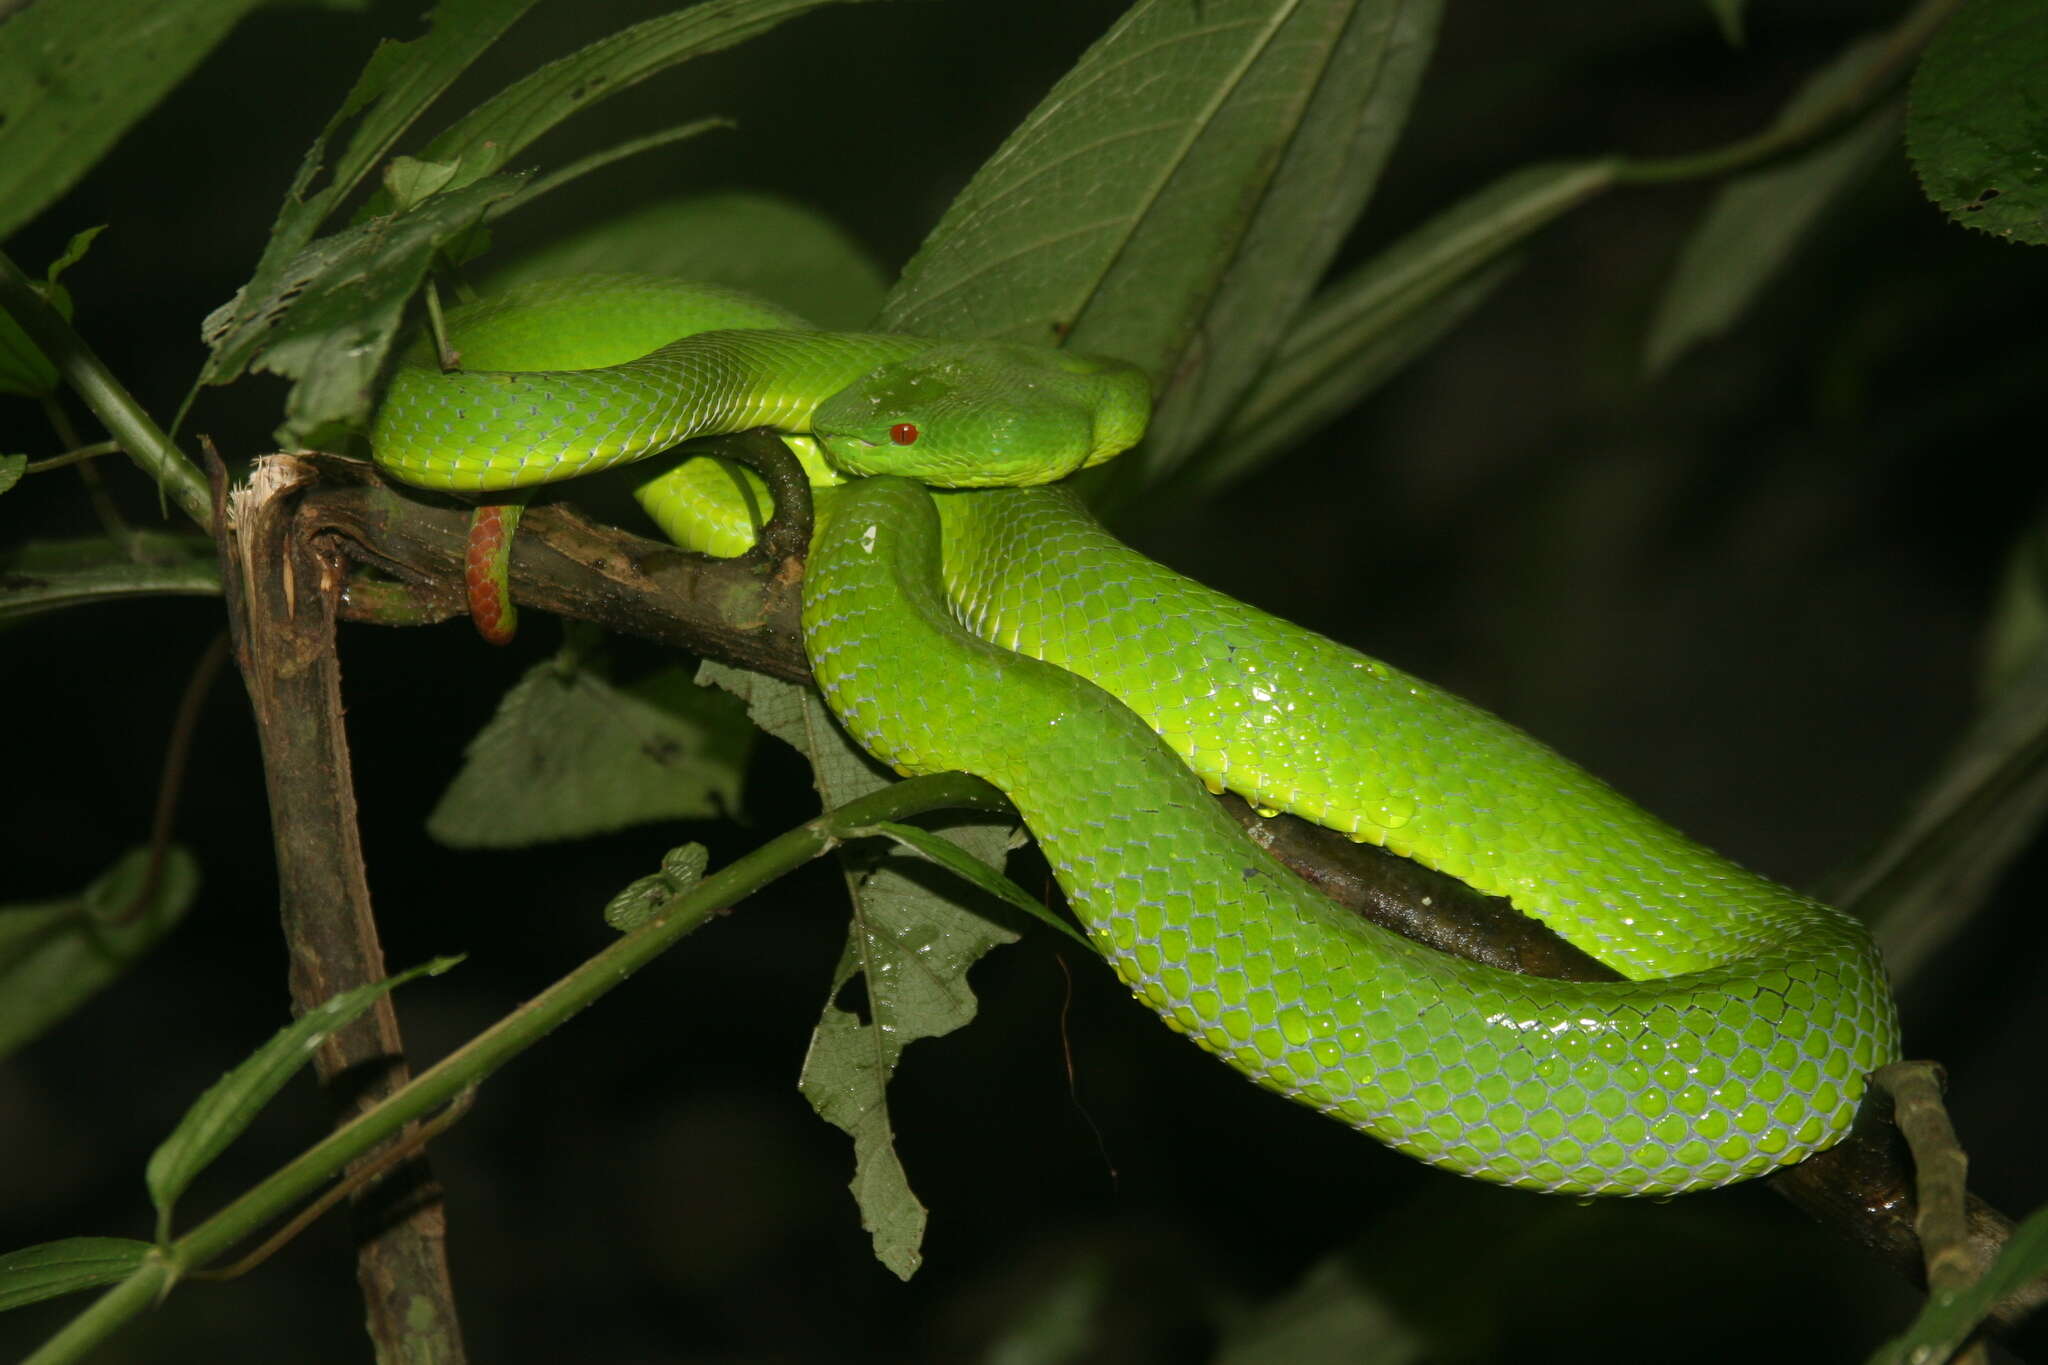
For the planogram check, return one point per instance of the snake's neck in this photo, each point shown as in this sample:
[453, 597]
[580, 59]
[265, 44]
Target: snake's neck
[741, 379]
[489, 430]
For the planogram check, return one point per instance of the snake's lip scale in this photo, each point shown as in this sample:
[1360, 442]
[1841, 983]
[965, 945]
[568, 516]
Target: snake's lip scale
[1752, 1017]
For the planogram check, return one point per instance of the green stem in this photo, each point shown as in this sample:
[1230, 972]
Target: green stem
[96, 386]
[76, 455]
[438, 329]
[1901, 48]
[115, 525]
[596, 160]
[499, 1044]
[128, 1299]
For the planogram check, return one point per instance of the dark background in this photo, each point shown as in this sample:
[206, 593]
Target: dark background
[1751, 593]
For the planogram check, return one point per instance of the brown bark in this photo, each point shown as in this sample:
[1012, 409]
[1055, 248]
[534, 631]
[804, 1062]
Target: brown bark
[284, 590]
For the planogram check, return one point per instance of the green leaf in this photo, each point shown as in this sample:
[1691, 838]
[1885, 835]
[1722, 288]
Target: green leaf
[1981, 810]
[618, 151]
[1975, 128]
[75, 77]
[1728, 14]
[11, 469]
[1342, 356]
[1332, 1317]
[1758, 220]
[43, 575]
[1175, 197]
[411, 182]
[1951, 1315]
[2019, 618]
[1060, 1320]
[328, 309]
[505, 125]
[53, 1268]
[682, 867]
[1382, 314]
[396, 85]
[74, 252]
[218, 1117]
[909, 946]
[328, 316]
[569, 755]
[56, 955]
[24, 369]
[972, 870]
[782, 251]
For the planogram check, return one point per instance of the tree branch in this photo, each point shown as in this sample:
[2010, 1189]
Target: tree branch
[282, 591]
[745, 612]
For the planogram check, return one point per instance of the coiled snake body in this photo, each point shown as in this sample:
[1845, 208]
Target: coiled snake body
[981, 630]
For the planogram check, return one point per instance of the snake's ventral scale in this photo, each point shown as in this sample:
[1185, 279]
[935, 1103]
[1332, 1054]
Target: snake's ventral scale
[1002, 631]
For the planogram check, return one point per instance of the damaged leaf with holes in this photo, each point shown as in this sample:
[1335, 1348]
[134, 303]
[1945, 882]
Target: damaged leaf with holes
[571, 754]
[902, 975]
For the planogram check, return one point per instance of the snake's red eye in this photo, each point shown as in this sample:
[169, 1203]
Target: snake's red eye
[903, 433]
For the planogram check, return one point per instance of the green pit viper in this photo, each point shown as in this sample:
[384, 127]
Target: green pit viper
[1002, 631]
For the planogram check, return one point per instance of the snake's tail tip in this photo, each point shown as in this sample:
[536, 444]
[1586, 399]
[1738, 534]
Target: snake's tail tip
[487, 570]
[500, 629]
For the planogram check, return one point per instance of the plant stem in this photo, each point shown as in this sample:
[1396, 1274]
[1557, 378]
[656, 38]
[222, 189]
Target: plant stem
[75, 456]
[499, 1044]
[1901, 47]
[116, 408]
[107, 1314]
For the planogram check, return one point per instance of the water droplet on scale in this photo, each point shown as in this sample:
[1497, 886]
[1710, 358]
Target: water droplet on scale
[1393, 812]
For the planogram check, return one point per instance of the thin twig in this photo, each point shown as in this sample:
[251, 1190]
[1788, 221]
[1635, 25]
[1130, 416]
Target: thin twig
[357, 1179]
[176, 756]
[1941, 1185]
[1901, 49]
[1943, 1171]
[77, 452]
[448, 356]
[77, 455]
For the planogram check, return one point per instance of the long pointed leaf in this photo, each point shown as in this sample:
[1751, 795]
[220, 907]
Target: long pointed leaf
[1175, 197]
[785, 252]
[56, 956]
[53, 1268]
[1758, 220]
[1978, 813]
[977, 873]
[24, 369]
[1378, 315]
[74, 78]
[1951, 1315]
[501, 128]
[1308, 388]
[46, 575]
[396, 85]
[329, 315]
[220, 1115]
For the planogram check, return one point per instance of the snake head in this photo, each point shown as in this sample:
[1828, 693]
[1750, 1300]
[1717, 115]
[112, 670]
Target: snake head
[976, 414]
